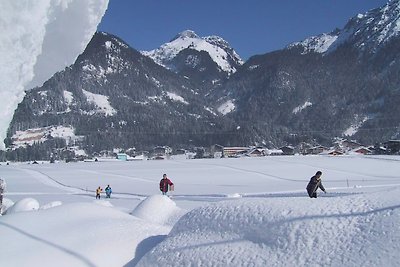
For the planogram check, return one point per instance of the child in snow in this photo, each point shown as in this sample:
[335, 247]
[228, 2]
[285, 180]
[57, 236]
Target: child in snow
[164, 183]
[98, 191]
[108, 191]
[313, 185]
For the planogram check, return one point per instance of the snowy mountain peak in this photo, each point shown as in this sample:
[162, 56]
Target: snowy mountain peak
[318, 44]
[367, 32]
[185, 34]
[218, 49]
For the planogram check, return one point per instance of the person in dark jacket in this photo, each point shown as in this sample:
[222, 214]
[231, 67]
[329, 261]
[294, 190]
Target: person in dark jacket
[165, 183]
[2, 190]
[313, 185]
[108, 191]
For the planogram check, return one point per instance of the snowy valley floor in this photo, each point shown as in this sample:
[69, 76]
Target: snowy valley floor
[223, 212]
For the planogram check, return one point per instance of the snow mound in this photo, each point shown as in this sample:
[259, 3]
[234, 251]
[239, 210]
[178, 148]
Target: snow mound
[158, 209]
[283, 232]
[79, 234]
[26, 204]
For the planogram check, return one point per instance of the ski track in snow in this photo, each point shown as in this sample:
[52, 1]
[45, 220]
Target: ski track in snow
[264, 174]
[363, 175]
[75, 190]
[72, 190]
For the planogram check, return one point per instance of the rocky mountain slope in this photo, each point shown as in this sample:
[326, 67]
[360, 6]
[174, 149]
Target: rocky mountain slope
[114, 96]
[344, 83]
[197, 91]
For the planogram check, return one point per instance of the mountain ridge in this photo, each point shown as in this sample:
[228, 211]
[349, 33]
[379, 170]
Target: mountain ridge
[312, 91]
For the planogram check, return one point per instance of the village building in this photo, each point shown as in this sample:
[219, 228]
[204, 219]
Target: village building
[234, 151]
[335, 152]
[217, 151]
[256, 152]
[287, 150]
[122, 156]
[349, 145]
[273, 152]
[392, 146]
[162, 151]
[362, 150]
[317, 150]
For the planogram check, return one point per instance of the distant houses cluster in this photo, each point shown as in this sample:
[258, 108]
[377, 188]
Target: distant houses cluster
[341, 147]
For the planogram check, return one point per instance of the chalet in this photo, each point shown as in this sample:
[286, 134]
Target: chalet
[316, 150]
[200, 152]
[122, 156]
[273, 152]
[256, 152]
[287, 150]
[180, 151]
[162, 150]
[131, 151]
[378, 150]
[217, 151]
[335, 152]
[362, 150]
[234, 151]
[392, 146]
[350, 144]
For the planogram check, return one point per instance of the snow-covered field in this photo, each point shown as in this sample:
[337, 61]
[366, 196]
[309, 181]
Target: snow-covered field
[223, 212]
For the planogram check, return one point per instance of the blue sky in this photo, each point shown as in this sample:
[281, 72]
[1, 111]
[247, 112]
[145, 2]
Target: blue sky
[250, 26]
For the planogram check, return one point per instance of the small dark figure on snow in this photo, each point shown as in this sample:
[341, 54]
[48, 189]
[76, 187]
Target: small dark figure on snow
[166, 183]
[108, 191]
[313, 185]
[98, 191]
[2, 190]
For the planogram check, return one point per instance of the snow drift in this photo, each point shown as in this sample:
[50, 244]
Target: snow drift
[284, 232]
[26, 204]
[158, 209]
[80, 234]
[37, 39]
[269, 222]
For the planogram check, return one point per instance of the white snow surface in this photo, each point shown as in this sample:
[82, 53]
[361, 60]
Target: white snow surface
[177, 98]
[30, 136]
[101, 102]
[223, 212]
[226, 107]
[39, 38]
[353, 129]
[300, 108]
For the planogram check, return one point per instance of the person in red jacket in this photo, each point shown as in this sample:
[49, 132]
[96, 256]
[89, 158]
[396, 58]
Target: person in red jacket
[166, 183]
